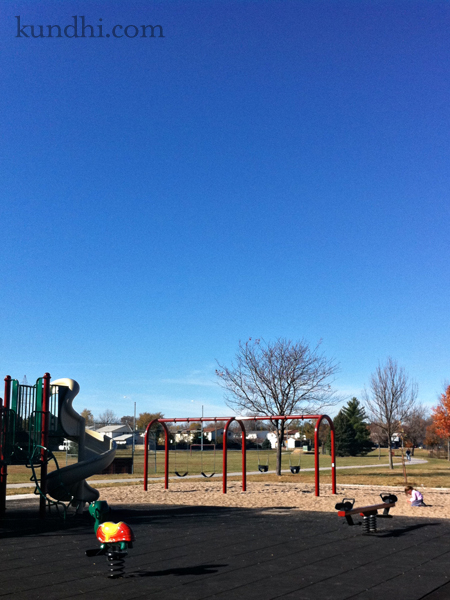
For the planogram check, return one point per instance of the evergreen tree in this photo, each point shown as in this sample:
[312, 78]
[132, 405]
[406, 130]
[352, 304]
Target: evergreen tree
[345, 435]
[356, 414]
[266, 445]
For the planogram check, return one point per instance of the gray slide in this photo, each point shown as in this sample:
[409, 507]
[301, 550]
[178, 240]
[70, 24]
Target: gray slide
[95, 451]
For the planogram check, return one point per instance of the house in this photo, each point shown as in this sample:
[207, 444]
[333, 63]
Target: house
[293, 439]
[213, 434]
[257, 437]
[126, 439]
[113, 431]
[183, 436]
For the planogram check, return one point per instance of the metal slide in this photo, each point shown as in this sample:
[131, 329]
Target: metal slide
[95, 451]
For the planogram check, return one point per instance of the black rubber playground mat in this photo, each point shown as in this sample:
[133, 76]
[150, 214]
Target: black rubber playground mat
[193, 553]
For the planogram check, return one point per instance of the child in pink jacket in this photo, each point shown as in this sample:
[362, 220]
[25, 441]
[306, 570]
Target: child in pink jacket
[415, 497]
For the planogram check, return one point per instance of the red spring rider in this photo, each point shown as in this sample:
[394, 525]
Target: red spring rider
[114, 538]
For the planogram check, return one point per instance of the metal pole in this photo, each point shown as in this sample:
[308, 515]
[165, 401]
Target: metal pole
[201, 432]
[134, 433]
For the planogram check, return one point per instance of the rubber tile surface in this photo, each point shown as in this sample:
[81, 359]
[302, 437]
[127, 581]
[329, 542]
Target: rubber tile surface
[196, 553]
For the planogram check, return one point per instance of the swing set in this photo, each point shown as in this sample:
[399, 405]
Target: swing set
[201, 446]
[294, 468]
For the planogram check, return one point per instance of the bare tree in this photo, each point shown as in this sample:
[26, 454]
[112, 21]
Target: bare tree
[278, 378]
[108, 417]
[128, 420]
[391, 399]
[415, 427]
[378, 437]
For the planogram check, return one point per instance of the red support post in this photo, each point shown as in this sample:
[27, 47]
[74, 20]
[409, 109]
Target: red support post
[316, 458]
[44, 441]
[7, 394]
[3, 433]
[166, 458]
[333, 459]
[316, 455]
[244, 458]
[224, 455]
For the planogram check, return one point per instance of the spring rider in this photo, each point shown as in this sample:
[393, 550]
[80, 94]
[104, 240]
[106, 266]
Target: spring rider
[114, 538]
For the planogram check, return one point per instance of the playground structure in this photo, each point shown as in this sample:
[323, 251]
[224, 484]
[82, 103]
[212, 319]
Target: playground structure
[30, 418]
[240, 421]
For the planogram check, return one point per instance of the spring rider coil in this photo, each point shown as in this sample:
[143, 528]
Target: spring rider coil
[370, 524]
[114, 538]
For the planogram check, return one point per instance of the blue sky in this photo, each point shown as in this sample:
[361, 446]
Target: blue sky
[267, 169]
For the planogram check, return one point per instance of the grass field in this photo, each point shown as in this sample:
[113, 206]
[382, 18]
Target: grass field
[434, 473]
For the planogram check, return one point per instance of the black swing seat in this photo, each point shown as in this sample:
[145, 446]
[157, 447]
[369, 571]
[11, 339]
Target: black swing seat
[263, 468]
[208, 476]
[181, 474]
[295, 470]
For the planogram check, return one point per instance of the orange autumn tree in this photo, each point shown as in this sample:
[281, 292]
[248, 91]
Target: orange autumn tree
[441, 417]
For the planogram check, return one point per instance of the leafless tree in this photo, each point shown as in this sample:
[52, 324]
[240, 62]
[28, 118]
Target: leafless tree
[378, 437]
[415, 426]
[278, 378]
[108, 417]
[391, 399]
[127, 420]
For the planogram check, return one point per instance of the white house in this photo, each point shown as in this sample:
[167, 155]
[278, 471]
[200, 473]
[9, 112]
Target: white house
[114, 431]
[257, 437]
[126, 439]
[290, 438]
[184, 436]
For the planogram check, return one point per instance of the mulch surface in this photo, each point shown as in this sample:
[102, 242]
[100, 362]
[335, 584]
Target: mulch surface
[203, 552]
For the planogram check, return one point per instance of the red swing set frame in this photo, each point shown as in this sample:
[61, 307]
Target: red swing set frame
[241, 420]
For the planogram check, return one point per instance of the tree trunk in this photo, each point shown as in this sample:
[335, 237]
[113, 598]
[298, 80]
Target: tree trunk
[391, 461]
[279, 448]
[280, 436]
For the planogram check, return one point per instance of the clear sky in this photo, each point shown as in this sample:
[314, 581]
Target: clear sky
[266, 169]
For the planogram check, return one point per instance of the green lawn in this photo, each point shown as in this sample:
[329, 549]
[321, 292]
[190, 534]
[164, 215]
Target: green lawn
[435, 473]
